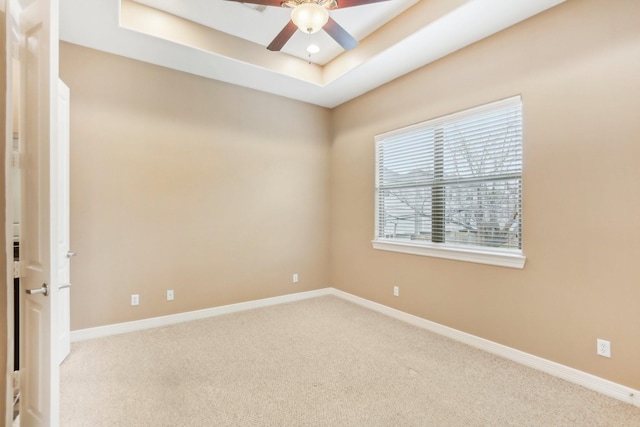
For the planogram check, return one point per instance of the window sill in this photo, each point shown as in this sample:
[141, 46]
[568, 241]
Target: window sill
[501, 259]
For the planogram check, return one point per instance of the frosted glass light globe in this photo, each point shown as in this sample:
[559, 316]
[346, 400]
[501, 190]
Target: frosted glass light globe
[309, 17]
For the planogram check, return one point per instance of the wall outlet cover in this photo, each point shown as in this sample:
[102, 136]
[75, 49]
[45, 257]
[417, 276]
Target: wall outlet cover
[604, 348]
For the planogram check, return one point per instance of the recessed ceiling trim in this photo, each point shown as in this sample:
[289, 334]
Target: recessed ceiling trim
[418, 36]
[158, 24]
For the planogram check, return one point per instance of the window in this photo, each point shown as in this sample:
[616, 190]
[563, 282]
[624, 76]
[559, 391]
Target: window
[452, 187]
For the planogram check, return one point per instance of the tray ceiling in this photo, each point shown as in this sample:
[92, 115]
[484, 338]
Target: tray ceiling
[226, 40]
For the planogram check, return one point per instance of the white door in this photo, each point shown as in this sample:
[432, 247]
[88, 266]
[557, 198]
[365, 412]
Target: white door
[64, 255]
[35, 24]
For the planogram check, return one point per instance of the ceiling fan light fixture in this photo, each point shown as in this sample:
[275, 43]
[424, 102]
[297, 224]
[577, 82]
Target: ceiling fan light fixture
[313, 48]
[309, 17]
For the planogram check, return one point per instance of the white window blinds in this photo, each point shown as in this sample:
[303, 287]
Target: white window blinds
[455, 180]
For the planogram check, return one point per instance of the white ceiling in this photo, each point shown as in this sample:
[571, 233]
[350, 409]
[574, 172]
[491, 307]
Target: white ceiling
[226, 41]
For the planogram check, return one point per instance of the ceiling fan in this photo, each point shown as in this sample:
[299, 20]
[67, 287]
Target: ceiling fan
[310, 16]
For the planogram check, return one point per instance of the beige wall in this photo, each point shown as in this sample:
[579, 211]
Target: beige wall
[178, 182]
[221, 193]
[577, 67]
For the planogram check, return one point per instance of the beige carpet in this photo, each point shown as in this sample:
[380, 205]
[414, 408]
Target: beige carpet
[318, 362]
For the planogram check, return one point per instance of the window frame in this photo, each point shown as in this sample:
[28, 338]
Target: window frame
[475, 254]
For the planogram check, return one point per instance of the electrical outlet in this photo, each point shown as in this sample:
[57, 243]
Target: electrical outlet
[604, 348]
[295, 278]
[170, 295]
[135, 299]
[396, 291]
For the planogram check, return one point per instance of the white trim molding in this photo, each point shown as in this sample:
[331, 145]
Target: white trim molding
[592, 382]
[584, 379]
[502, 259]
[156, 322]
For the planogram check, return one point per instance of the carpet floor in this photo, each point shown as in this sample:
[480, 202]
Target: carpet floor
[317, 362]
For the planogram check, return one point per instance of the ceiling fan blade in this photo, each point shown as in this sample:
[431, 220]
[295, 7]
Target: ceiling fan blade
[350, 3]
[283, 37]
[261, 2]
[340, 35]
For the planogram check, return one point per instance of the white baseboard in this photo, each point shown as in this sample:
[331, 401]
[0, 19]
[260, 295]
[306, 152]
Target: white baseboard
[592, 382]
[155, 322]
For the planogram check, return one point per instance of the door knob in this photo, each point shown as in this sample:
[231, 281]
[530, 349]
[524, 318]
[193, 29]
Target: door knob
[44, 290]
[71, 254]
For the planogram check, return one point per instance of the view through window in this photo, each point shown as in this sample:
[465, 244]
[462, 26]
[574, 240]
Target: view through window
[453, 181]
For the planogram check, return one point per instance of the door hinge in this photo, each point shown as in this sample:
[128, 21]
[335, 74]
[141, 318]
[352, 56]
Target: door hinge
[16, 269]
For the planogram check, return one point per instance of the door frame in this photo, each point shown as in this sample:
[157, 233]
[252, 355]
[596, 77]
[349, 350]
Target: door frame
[12, 48]
[7, 127]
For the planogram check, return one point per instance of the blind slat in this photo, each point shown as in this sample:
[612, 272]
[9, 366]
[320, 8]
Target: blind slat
[454, 180]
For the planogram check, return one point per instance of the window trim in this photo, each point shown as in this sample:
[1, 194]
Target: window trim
[474, 254]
